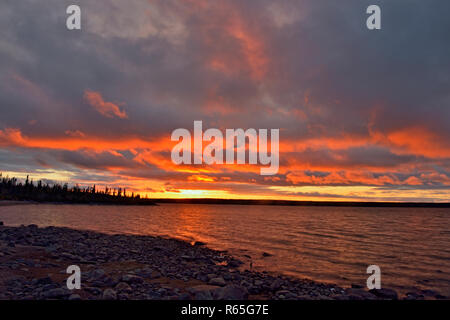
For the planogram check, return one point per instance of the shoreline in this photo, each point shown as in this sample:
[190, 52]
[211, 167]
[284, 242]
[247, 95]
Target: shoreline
[33, 263]
[304, 203]
[6, 203]
[244, 202]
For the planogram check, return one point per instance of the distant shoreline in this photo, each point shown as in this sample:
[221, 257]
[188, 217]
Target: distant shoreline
[293, 203]
[306, 203]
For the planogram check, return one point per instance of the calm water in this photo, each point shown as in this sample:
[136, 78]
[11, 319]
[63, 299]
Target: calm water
[335, 245]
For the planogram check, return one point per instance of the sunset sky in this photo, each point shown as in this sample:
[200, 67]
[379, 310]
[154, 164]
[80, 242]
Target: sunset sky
[363, 115]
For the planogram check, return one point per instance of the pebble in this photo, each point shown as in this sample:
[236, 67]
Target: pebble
[74, 297]
[203, 292]
[385, 293]
[55, 293]
[42, 281]
[109, 294]
[130, 278]
[232, 292]
[123, 287]
[219, 281]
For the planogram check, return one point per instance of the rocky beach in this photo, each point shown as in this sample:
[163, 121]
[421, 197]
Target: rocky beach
[33, 264]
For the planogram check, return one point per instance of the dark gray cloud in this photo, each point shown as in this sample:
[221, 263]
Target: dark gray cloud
[310, 68]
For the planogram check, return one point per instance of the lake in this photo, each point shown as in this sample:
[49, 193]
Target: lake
[328, 244]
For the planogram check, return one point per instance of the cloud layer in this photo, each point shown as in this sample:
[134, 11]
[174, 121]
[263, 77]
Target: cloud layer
[362, 114]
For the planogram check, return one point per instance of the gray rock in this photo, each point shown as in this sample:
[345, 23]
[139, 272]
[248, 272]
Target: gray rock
[385, 293]
[55, 293]
[49, 286]
[219, 281]
[234, 263]
[123, 287]
[245, 284]
[428, 293]
[231, 292]
[51, 249]
[43, 281]
[97, 274]
[93, 290]
[203, 292]
[69, 256]
[276, 285]
[188, 258]
[145, 272]
[74, 297]
[359, 294]
[413, 296]
[131, 278]
[237, 277]
[259, 283]
[109, 294]
[227, 276]
[253, 289]
[211, 276]
[184, 296]
[106, 281]
[122, 296]
[202, 277]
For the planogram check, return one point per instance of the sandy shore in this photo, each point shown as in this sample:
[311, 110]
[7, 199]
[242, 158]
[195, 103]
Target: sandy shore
[33, 263]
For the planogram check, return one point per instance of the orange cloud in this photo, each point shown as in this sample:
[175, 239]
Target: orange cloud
[294, 171]
[345, 178]
[421, 141]
[11, 137]
[108, 109]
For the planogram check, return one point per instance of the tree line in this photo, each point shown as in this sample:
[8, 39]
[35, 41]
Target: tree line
[14, 189]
